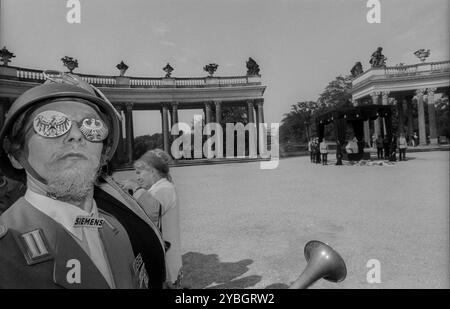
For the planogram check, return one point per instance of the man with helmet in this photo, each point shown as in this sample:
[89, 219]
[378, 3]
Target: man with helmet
[74, 227]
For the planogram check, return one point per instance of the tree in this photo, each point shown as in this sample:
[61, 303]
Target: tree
[296, 125]
[144, 143]
[337, 93]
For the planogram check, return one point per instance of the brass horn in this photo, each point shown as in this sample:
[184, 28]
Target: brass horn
[323, 262]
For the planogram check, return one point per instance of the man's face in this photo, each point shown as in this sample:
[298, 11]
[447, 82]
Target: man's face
[69, 162]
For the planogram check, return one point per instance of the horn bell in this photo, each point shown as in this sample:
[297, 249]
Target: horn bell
[323, 262]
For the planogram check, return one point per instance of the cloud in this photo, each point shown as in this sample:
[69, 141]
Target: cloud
[168, 43]
[161, 29]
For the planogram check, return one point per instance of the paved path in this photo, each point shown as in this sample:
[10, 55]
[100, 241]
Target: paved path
[243, 227]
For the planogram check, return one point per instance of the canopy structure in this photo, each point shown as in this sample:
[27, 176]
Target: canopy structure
[356, 115]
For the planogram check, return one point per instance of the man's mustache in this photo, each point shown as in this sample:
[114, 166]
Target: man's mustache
[63, 154]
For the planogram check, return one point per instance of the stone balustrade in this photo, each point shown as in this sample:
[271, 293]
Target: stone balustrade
[404, 70]
[32, 75]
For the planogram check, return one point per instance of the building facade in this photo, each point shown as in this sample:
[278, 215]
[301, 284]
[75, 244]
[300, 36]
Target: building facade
[164, 95]
[408, 88]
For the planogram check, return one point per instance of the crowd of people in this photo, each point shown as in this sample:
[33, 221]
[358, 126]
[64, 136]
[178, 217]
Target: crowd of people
[318, 151]
[386, 148]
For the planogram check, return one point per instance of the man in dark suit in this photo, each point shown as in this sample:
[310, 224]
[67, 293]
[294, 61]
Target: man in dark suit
[65, 232]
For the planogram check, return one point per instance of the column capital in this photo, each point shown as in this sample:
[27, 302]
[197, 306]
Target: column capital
[129, 106]
[165, 105]
[207, 105]
[250, 102]
[259, 103]
[431, 91]
[217, 102]
[375, 93]
[118, 107]
[385, 94]
[175, 104]
[420, 91]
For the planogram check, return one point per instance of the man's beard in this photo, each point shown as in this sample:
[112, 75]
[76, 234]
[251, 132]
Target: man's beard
[74, 183]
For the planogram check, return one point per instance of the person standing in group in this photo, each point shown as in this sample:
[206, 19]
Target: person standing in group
[379, 144]
[317, 150]
[324, 151]
[374, 141]
[155, 192]
[386, 146]
[415, 139]
[310, 149]
[402, 145]
[393, 148]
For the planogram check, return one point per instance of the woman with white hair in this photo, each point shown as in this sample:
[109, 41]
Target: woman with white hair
[155, 192]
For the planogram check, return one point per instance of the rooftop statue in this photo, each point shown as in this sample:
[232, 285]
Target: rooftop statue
[211, 68]
[422, 54]
[168, 69]
[378, 59]
[357, 69]
[252, 67]
[6, 55]
[70, 63]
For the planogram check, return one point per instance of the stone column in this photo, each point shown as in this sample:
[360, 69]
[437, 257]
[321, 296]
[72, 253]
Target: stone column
[409, 114]
[260, 105]
[165, 127]
[375, 95]
[218, 105]
[260, 120]
[250, 111]
[421, 117]
[400, 127]
[432, 116]
[384, 101]
[173, 116]
[174, 113]
[129, 131]
[208, 113]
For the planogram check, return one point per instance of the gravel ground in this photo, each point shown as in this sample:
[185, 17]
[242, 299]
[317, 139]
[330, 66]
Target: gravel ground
[243, 227]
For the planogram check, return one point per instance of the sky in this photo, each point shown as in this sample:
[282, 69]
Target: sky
[300, 45]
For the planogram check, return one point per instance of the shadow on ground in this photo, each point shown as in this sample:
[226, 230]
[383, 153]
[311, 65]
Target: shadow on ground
[206, 271]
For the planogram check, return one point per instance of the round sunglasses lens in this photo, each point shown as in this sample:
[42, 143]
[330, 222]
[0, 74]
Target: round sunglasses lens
[94, 130]
[51, 124]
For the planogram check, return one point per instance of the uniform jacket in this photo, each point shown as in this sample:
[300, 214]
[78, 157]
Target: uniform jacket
[122, 245]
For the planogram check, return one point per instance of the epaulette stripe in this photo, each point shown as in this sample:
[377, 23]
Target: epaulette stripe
[35, 244]
[31, 245]
[34, 247]
[40, 243]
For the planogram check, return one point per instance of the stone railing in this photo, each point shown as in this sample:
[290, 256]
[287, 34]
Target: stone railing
[142, 82]
[31, 75]
[404, 70]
